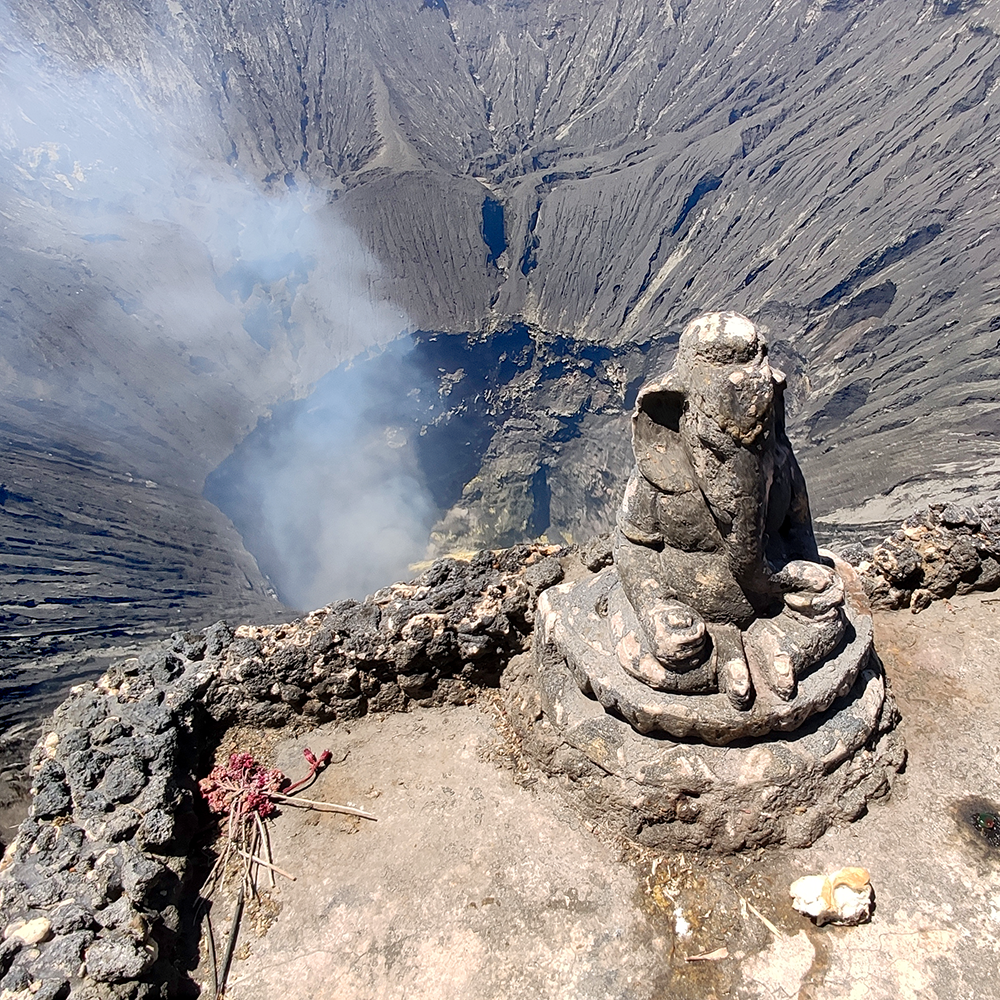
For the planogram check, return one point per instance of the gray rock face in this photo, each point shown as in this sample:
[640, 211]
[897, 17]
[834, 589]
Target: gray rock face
[93, 557]
[595, 172]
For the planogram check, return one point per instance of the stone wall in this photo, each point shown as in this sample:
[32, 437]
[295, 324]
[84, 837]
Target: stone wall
[937, 552]
[98, 887]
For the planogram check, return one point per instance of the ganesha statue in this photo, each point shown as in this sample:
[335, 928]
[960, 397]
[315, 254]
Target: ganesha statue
[714, 546]
[720, 617]
[716, 686]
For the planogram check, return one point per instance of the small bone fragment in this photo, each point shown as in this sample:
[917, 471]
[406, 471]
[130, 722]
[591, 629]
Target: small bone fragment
[842, 897]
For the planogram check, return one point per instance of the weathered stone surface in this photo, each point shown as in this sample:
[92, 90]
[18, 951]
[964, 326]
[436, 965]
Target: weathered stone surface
[50, 794]
[31, 931]
[435, 638]
[117, 959]
[573, 632]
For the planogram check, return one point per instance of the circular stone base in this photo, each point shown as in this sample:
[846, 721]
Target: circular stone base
[577, 625]
[664, 793]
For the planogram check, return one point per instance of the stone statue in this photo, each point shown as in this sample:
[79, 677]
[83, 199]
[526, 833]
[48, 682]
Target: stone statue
[719, 619]
[714, 547]
[669, 691]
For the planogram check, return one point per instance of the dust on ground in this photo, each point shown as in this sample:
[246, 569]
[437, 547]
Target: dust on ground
[479, 882]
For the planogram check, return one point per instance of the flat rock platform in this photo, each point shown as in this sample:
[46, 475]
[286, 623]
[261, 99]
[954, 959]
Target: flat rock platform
[480, 882]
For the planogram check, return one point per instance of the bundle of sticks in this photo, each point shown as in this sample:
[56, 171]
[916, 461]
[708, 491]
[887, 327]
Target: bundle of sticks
[248, 794]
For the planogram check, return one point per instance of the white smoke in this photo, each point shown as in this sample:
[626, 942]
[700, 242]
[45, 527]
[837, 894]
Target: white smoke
[164, 302]
[328, 490]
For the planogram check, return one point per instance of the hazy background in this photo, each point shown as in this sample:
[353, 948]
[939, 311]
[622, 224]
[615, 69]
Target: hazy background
[185, 299]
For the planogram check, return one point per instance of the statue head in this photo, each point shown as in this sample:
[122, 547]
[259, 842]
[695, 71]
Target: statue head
[720, 381]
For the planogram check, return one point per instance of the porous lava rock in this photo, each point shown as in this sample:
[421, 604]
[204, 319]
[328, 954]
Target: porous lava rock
[937, 552]
[106, 855]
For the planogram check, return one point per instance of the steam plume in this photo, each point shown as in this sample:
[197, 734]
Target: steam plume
[161, 302]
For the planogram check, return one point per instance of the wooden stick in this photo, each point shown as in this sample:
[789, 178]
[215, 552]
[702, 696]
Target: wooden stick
[264, 864]
[249, 872]
[215, 875]
[321, 806]
[265, 842]
[211, 953]
[234, 809]
[234, 931]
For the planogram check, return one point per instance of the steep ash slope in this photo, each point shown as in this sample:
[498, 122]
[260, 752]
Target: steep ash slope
[595, 171]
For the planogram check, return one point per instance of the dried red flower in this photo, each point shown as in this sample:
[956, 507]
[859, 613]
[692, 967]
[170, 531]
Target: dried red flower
[244, 784]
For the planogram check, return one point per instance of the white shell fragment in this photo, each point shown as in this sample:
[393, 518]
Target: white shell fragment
[842, 897]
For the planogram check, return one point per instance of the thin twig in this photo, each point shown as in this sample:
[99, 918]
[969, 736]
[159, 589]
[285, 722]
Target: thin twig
[760, 916]
[709, 956]
[264, 864]
[265, 842]
[322, 806]
[215, 875]
[211, 953]
[234, 811]
[230, 945]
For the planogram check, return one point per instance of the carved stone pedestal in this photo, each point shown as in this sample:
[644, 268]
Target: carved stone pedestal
[675, 793]
[580, 624]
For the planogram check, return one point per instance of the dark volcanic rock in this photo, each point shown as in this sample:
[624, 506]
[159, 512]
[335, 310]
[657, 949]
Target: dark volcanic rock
[105, 866]
[434, 640]
[937, 552]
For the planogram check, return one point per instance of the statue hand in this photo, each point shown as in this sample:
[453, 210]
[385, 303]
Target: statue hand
[731, 663]
[675, 631]
[810, 588]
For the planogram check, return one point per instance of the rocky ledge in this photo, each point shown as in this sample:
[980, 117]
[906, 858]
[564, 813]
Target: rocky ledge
[936, 553]
[98, 887]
